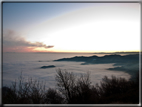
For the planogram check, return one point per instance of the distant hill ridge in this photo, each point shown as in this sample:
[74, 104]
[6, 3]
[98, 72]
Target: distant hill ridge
[104, 59]
[126, 63]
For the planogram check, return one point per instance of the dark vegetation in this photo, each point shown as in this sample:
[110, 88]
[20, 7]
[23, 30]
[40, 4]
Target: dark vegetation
[72, 89]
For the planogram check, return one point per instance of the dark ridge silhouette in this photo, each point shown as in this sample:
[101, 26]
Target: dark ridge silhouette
[103, 60]
[121, 52]
[49, 66]
[127, 63]
[78, 59]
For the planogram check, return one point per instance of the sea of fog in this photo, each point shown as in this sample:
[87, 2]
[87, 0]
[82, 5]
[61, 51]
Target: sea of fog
[29, 64]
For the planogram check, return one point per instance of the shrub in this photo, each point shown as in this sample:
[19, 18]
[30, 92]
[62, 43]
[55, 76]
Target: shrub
[119, 90]
[53, 97]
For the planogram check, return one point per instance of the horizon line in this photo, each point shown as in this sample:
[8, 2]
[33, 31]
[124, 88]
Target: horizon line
[83, 52]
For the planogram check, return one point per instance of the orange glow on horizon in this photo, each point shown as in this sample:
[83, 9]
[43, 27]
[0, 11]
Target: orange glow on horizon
[75, 51]
[42, 49]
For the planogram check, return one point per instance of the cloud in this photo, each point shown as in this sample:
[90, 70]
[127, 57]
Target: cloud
[13, 40]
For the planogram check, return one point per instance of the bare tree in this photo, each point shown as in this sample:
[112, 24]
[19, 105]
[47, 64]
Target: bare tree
[65, 82]
[25, 92]
[73, 88]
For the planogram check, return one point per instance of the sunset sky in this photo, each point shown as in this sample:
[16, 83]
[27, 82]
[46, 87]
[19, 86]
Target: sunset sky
[71, 27]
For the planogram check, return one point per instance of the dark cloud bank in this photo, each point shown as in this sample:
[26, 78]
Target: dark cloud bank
[127, 63]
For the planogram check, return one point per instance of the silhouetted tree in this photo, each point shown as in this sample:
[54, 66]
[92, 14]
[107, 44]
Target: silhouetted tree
[78, 90]
[23, 92]
[75, 89]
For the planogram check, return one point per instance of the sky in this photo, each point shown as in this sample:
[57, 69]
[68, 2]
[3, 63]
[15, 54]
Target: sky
[71, 27]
